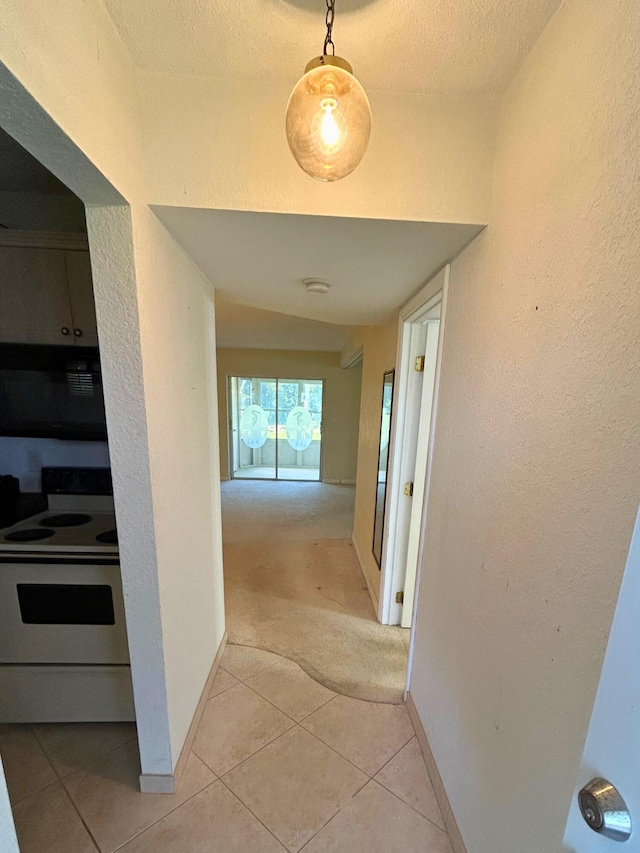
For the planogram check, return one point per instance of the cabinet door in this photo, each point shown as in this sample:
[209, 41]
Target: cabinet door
[34, 297]
[83, 309]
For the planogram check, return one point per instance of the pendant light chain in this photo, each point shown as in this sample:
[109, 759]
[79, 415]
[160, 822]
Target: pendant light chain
[328, 42]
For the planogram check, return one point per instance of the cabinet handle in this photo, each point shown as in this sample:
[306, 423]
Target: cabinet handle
[77, 333]
[64, 330]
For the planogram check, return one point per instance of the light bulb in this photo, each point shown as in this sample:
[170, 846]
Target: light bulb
[329, 129]
[328, 120]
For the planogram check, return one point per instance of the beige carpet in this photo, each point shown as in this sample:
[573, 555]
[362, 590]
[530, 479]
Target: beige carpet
[293, 586]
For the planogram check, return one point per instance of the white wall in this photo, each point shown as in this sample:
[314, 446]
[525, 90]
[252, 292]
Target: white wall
[155, 323]
[221, 144]
[536, 471]
[25, 457]
[177, 326]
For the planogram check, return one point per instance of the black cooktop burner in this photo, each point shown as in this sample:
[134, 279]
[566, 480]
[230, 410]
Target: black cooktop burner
[29, 535]
[65, 519]
[109, 537]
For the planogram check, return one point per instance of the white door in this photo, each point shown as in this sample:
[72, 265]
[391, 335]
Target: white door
[420, 473]
[8, 840]
[612, 748]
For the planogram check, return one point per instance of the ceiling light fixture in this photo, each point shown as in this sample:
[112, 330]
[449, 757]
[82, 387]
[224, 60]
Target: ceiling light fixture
[316, 285]
[328, 115]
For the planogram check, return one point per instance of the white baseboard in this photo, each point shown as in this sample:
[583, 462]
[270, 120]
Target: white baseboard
[156, 783]
[372, 592]
[436, 780]
[338, 482]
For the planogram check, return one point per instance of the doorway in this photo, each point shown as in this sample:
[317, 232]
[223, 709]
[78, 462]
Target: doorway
[415, 399]
[276, 428]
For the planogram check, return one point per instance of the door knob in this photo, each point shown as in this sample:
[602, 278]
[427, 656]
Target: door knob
[64, 330]
[604, 810]
[77, 333]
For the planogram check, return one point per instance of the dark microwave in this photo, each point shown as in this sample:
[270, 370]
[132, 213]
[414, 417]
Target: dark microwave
[51, 392]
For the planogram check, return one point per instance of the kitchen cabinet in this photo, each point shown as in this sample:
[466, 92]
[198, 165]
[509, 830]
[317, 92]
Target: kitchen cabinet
[46, 296]
[83, 309]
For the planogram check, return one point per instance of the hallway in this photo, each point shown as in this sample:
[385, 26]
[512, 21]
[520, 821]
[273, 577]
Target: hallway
[293, 586]
[278, 763]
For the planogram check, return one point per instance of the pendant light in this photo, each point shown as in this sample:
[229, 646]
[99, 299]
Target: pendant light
[328, 115]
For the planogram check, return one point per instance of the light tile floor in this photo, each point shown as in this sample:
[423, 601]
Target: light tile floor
[279, 763]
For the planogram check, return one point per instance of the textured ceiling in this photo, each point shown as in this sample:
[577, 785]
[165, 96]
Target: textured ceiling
[260, 259]
[252, 328]
[440, 46]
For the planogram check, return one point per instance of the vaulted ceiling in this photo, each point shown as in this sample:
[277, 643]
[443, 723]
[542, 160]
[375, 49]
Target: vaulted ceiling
[439, 46]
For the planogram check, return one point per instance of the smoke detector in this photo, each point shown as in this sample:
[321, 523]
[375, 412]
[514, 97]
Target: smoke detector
[316, 285]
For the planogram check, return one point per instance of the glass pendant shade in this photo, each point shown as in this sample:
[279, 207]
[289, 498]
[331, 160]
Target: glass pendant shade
[328, 120]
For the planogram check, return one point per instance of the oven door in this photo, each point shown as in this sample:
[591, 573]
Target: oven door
[61, 610]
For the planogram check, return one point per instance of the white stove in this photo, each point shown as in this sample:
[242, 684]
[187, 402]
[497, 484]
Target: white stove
[63, 640]
[72, 524]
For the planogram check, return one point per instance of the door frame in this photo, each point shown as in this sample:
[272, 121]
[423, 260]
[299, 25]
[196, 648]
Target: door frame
[404, 429]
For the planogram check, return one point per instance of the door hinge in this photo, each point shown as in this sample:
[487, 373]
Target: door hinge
[420, 364]
[399, 597]
[408, 489]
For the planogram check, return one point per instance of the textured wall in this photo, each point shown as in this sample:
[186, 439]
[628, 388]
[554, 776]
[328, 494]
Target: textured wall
[115, 287]
[68, 93]
[177, 331]
[221, 144]
[341, 400]
[536, 471]
[379, 356]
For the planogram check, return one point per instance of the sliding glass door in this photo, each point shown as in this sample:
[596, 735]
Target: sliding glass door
[276, 428]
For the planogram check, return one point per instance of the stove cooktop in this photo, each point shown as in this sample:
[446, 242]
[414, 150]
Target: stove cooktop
[58, 532]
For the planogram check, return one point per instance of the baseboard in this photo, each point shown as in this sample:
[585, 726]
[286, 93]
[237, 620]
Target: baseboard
[156, 783]
[338, 482]
[372, 592]
[436, 780]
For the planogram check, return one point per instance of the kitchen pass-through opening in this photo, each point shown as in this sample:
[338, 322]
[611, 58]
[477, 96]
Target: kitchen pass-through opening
[276, 428]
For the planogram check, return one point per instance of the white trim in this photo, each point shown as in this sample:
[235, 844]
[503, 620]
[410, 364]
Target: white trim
[70, 241]
[427, 490]
[411, 339]
[353, 358]
[446, 812]
[167, 783]
[372, 592]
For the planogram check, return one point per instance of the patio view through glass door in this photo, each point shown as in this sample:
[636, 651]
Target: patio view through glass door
[276, 428]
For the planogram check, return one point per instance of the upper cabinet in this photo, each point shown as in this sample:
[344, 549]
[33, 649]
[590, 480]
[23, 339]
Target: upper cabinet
[83, 309]
[46, 295]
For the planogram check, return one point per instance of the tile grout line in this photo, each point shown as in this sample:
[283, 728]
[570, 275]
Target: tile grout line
[264, 746]
[393, 794]
[82, 820]
[297, 722]
[246, 805]
[251, 812]
[120, 846]
[86, 763]
[13, 803]
[171, 811]
[401, 798]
